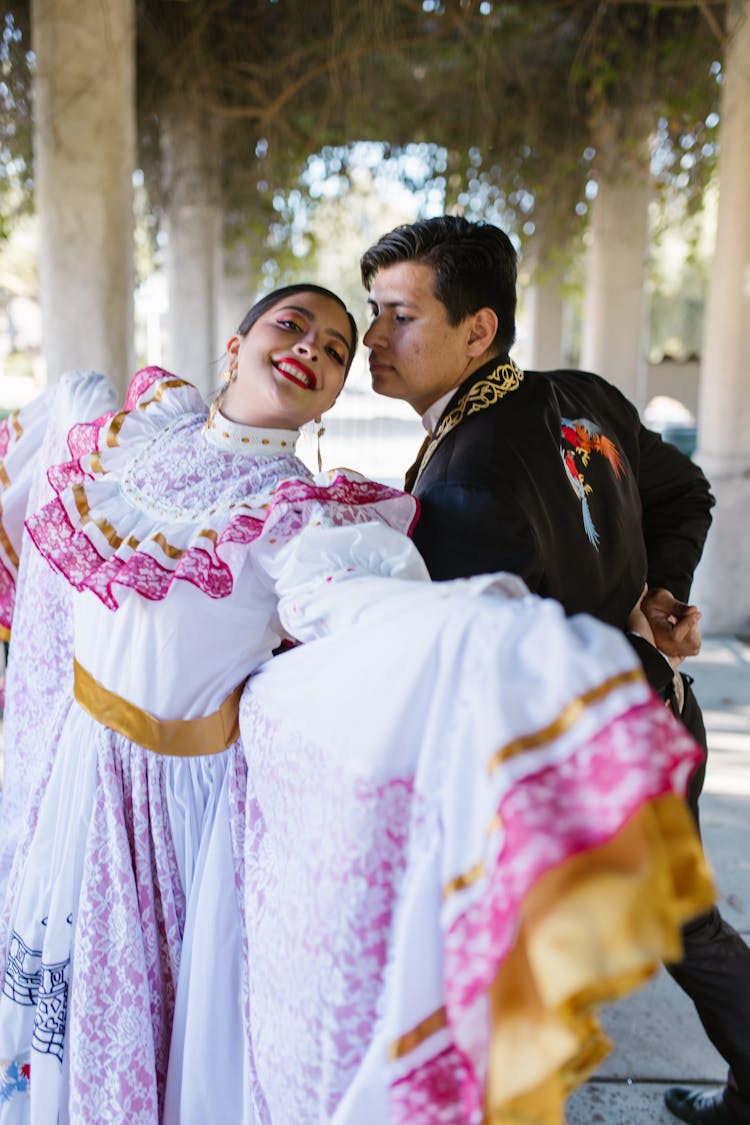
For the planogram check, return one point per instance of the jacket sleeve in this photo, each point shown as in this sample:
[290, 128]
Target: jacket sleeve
[677, 503]
[472, 528]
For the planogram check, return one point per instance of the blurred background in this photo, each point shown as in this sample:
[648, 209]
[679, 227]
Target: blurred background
[165, 162]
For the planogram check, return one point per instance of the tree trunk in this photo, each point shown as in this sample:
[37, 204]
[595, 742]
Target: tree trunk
[722, 587]
[614, 339]
[193, 226]
[84, 139]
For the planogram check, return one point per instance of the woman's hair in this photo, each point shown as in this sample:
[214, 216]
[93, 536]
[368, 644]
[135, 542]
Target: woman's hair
[278, 295]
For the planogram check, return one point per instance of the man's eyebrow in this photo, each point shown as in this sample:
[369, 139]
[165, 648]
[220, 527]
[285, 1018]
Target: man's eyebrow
[311, 316]
[393, 304]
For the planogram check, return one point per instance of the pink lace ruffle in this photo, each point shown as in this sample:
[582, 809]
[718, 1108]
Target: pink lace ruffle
[547, 818]
[7, 598]
[141, 382]
[147, 501]
[346, 499]
[84, 436]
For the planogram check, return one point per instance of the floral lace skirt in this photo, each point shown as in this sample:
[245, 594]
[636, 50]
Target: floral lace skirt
[463, 832]
[112, 976]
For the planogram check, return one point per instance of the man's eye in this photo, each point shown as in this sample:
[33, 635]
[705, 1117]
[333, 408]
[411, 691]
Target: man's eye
[401, 319]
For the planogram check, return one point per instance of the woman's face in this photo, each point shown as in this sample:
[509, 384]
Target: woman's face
[291, 364]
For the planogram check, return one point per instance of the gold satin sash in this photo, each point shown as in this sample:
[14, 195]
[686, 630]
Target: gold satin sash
[181, 738]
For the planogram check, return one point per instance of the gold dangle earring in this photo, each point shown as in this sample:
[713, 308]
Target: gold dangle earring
[228, 375]
[321, 431]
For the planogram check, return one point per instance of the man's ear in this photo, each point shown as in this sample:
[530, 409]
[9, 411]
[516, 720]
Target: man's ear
[482, 329]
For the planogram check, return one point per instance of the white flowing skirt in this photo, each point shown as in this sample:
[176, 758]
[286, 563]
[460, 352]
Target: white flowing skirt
[111, 968]
[462, 830]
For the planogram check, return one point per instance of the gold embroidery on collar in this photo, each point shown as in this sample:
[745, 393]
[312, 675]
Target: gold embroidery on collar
[506, 377]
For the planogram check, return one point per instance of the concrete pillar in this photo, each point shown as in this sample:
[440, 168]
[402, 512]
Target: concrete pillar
[543, 324]
[613, 340]
[193, 226]
[84, 140]
[722, 587]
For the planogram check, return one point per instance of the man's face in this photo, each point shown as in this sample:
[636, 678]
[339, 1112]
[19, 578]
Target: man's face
[415, 353]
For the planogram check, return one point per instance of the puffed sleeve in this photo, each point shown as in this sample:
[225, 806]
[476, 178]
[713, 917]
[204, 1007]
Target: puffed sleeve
[350, 562]
[32, 439]
[331, 531]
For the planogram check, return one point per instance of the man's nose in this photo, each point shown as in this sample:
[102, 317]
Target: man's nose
[373, 337]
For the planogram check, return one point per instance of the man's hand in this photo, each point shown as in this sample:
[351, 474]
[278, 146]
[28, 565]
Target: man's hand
[638, 622]
[674, 625]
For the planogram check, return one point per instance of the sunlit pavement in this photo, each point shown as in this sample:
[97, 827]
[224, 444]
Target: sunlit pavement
[658, 1039]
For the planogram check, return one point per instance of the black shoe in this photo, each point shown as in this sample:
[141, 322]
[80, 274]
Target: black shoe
[698, 1107]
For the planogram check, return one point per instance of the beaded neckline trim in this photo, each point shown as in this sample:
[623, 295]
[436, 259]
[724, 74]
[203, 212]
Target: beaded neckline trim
[236, 438]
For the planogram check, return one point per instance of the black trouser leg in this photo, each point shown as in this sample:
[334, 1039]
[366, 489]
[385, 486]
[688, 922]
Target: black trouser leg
[715, 974]
[715, 971]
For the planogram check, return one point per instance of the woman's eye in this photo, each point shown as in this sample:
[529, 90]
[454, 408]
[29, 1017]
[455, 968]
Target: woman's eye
[291, 324]
[334, 354]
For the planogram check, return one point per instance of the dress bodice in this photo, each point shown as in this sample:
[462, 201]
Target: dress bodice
[169, 528]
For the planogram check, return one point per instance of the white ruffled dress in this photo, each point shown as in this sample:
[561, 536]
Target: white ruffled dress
[452, 826]
[152, 525]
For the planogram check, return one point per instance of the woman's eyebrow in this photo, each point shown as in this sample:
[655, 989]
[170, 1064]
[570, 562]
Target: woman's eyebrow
[311, 316]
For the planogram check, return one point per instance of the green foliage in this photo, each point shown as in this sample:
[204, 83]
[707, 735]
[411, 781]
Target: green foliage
[16, 186]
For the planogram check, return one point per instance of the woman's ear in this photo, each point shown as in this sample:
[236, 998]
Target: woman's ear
[233, 345]
[482, 330]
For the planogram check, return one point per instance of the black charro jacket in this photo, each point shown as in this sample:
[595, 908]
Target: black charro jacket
[552, 476]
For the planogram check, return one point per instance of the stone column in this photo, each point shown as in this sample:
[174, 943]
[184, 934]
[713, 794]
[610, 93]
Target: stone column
[543, 322]
[84, 140]
[613, 339]
[193, 225]
[722, 588]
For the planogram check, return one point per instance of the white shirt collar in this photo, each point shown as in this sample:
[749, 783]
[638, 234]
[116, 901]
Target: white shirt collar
[431, 416]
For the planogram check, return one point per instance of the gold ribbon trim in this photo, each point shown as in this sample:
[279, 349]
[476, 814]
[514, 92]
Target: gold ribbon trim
[564, 721]
[179, 738]
[533, 741]
[427, 1027]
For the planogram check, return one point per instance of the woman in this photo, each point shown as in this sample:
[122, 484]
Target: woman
[160, 914]
[151, 526]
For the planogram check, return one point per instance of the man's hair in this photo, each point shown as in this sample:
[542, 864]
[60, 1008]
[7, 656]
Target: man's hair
[474, 266]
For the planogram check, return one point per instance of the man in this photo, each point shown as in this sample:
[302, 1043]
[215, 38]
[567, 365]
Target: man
[552, 476]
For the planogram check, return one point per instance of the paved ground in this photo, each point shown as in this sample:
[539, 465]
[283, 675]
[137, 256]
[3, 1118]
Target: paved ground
[659, 1041]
